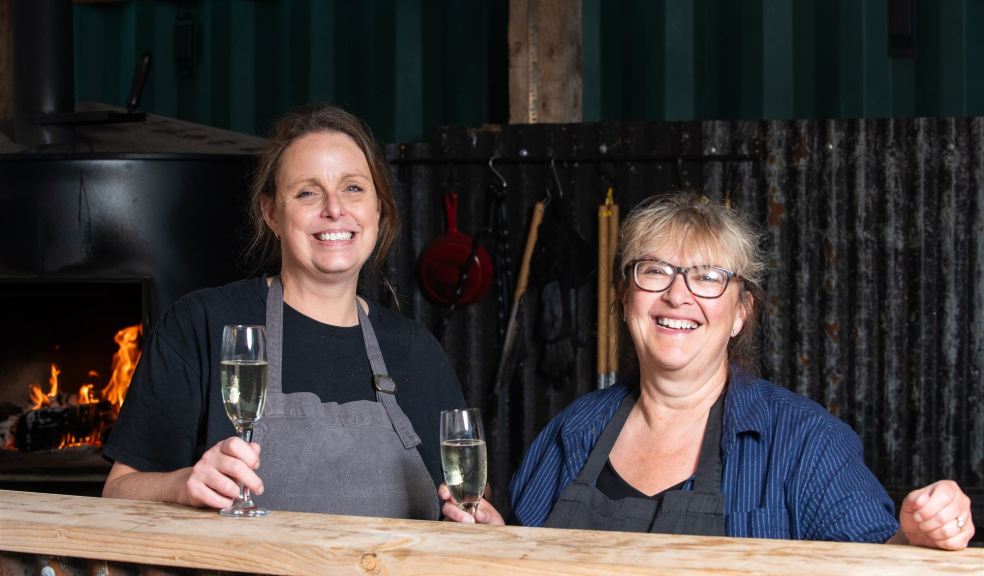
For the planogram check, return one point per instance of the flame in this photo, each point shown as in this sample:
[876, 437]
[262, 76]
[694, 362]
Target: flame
[38, 398]
[69, 440]
[53, 381]
[124, 362]
[86, 396]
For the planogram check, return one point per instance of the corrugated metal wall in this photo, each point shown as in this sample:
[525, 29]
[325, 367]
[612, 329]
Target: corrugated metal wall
[409, 66]
[875, 303]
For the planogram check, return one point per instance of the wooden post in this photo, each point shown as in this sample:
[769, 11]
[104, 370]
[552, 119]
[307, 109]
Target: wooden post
[6, 63]
[544, 61]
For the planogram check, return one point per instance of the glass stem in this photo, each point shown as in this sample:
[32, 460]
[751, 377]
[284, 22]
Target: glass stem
[244, 496]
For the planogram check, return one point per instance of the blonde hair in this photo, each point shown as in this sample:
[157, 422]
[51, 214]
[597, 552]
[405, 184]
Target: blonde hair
[714, 234]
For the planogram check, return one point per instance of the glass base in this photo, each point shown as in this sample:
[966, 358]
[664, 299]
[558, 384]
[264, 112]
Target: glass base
[470, 507]
[244, 510]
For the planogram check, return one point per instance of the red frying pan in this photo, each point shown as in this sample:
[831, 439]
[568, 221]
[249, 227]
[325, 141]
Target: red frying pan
[444, 259]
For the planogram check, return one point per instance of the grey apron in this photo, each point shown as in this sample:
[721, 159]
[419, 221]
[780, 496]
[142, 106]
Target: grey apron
[699, 511]
[357, 458]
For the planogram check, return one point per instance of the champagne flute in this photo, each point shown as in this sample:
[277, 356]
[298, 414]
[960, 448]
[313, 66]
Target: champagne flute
[464, 457]
[243, 373]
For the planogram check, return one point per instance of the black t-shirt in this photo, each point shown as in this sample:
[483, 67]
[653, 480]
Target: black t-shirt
[173, 410]
[612, 485]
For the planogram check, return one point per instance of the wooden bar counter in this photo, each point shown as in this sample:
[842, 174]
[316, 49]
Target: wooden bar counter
[117, 531]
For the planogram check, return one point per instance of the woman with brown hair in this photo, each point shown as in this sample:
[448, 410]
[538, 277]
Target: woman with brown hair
[344, 431]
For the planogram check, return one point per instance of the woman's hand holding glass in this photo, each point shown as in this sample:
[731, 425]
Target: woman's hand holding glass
[452, 511]
[465, 461]
[243, 374]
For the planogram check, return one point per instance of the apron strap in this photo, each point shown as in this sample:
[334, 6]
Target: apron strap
[384, 385]
[707, 478]
[599, 455]
[275, 335]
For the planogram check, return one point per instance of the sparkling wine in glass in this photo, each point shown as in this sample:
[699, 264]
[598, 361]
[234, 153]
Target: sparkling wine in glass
[243, 372]
[463, 456]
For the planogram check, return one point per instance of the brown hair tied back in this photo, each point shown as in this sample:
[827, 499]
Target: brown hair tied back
[264, 246]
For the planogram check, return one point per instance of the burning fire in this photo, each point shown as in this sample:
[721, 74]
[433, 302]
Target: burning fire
[124, 362]
[38, 398]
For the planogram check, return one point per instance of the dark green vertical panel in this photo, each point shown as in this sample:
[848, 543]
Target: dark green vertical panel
[804, 59]
[591, 59]
[827, 78]
[679, 65]
[297, 33]
[219, 39]
[163, 75]
[409, 69]
[376, 66]
[612, 53]
[266, 36]
[777, 59]
[709, 62]
[321, 51]
[927, 57]
[973, 70]
[850, 58]
[97, 76]
[465, 45]
[242, 67]
[876, 71]
[126, 44]
[952, 55]
[645, 96]
[740, 28]
[632, 59]
[201, 86]
[145, 32]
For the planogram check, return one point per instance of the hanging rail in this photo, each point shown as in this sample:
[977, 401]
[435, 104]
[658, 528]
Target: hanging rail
[580, 159]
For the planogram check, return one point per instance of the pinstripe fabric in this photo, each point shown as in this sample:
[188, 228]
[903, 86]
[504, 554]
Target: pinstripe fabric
[791, 470]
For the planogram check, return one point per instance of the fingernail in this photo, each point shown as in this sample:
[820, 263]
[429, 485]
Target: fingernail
[918, 517]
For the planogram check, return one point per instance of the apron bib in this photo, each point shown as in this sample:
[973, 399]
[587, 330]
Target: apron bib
[699, 511]
[357, 458]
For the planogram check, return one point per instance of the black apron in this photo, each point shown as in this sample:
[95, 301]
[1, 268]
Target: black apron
[358, 458]
[699, 511]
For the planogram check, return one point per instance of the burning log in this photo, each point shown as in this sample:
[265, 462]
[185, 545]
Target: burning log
[63, 426]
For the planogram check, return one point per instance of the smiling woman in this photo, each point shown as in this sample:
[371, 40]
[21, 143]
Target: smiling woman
[322, 208]
[694, 444]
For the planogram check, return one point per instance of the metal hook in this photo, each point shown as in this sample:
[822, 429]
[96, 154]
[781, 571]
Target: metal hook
[505, 184]
[553, 168]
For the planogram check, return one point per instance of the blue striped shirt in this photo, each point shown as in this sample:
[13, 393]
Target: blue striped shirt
[791, 470]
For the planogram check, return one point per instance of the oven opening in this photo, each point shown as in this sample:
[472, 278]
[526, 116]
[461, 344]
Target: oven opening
[68, 350]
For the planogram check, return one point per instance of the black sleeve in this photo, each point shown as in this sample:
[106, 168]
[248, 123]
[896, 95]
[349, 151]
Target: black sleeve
[431, 372]
[160, 421]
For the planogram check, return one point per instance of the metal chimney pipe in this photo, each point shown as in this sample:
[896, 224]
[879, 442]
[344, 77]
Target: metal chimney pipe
[44, 75]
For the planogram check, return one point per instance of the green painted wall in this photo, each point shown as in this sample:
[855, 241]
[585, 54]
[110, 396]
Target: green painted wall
[408, 66]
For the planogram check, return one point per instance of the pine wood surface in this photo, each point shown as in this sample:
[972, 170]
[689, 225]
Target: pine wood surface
[298, 543]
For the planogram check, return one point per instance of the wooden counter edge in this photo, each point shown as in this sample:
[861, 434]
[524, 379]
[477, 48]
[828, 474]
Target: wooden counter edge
[299, 543]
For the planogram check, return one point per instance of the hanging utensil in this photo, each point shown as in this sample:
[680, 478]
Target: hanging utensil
[507, 362]
[455, 263]
[604, 280]
[613, 326]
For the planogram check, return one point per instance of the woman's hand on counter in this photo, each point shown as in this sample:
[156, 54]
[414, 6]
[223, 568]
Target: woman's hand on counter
[485, 514]
[213, 482]
[936, 516]
[214, 479]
